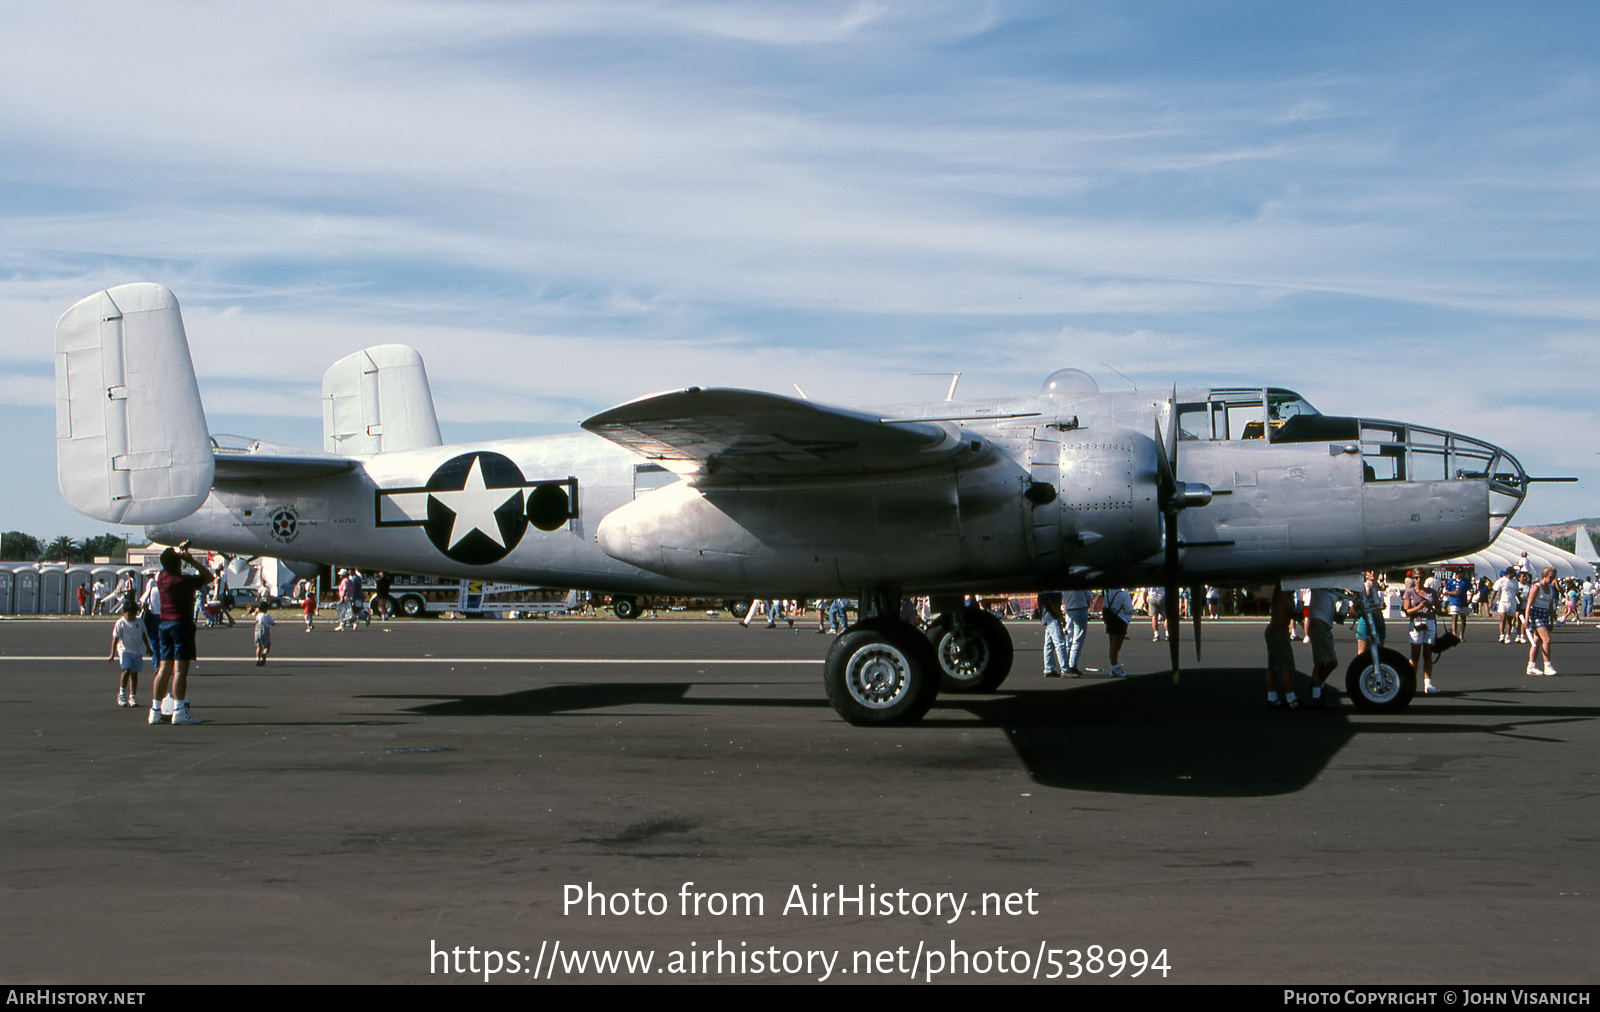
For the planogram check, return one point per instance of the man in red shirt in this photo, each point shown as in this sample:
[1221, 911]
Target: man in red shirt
[175, 636]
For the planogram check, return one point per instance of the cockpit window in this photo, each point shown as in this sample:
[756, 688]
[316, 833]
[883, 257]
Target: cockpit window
[1194, 422]
[1283, 405]
[1242, 414]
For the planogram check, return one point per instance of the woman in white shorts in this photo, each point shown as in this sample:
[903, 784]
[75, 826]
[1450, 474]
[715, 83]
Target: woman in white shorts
[1418, 607]
[1507, 603]
[1541, 615]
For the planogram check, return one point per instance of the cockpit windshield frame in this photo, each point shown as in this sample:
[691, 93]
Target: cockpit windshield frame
[1235, 413]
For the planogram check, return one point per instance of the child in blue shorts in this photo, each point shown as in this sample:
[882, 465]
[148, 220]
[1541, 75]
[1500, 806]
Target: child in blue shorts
[128, 645]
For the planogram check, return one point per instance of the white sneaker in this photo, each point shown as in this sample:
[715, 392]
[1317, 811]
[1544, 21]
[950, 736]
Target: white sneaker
[156, 716]
[122, 697]
[1549, 669]
[133, 700]
[1533, 669]
[1428, 688]
[181, 714]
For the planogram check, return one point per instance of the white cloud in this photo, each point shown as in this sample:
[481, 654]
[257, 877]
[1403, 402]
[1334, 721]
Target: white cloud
[569, 204]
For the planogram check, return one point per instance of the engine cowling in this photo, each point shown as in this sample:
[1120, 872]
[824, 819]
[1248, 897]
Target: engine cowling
[1107, 513]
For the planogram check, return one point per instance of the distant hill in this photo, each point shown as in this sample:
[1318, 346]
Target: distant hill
[1565, 529]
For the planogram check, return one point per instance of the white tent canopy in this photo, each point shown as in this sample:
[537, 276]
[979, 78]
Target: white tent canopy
[1507, 551]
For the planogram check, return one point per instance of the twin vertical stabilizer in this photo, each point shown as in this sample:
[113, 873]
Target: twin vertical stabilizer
[131, 440]
[377, 400]
[132, 445]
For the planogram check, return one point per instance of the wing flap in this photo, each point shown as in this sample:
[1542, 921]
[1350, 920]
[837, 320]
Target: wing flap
[726, 436]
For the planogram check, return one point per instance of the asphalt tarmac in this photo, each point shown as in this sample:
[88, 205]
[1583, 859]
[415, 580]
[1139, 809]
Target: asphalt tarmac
[422, 801]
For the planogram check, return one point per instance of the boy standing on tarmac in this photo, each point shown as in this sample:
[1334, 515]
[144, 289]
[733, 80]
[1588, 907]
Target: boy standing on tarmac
[263, 635]
[128, 645]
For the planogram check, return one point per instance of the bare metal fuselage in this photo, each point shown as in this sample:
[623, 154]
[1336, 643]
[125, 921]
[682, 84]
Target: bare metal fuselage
[970, 521]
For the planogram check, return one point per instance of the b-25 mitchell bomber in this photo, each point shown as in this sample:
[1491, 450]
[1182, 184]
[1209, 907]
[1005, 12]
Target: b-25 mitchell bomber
[736, 493]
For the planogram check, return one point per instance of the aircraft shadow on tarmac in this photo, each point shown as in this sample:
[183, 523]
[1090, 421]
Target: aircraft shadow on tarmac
[1209, 736]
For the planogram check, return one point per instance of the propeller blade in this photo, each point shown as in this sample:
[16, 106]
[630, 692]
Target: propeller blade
[1197, 597]
[1170, 585]
[1170, 498]
[1171, 445]
[1166, 476]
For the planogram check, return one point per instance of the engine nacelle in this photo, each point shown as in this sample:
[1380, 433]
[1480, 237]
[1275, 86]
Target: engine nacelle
[1107, 514]
[935, 528]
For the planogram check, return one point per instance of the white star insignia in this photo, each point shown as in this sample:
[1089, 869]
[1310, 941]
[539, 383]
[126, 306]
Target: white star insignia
[474, 507]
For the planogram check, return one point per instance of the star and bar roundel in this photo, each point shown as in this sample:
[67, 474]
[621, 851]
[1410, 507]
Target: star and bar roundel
[476, 507]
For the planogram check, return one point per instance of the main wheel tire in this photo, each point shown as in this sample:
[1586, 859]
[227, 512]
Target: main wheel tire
[625, 607]
[1388, 689]
[412, 606]
[881, 671]
[739, 609]
[977, 661]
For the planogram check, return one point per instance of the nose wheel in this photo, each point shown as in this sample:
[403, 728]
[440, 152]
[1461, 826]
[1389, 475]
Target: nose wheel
[1384, 688]
[881, 671]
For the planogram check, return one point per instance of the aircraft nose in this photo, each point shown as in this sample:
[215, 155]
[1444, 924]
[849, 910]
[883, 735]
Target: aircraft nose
[1401, 451]
[1507, 481]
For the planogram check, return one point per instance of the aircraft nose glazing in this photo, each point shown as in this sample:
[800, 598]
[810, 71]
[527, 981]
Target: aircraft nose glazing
[1401, 451]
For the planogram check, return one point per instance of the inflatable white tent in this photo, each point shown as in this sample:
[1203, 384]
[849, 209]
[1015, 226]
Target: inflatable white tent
[1507, 550]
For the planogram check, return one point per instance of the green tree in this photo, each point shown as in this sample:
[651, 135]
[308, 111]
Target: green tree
[15, 546]
[104, 544]
[62, 549]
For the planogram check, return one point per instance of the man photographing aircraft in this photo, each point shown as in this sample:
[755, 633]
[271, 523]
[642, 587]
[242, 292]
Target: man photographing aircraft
[169, 693]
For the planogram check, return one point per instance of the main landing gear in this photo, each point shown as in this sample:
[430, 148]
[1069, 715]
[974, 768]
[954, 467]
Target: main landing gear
[883, 670]
[974, 654]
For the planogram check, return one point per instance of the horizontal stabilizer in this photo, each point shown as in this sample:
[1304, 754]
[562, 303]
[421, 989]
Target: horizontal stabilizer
[243, 461]
[377, 401]
[131, 441]
[721, 436]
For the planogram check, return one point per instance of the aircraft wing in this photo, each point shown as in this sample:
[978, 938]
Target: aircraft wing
[733, 437]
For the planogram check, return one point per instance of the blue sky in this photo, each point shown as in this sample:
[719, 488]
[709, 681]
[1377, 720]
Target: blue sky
[1392, 208]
